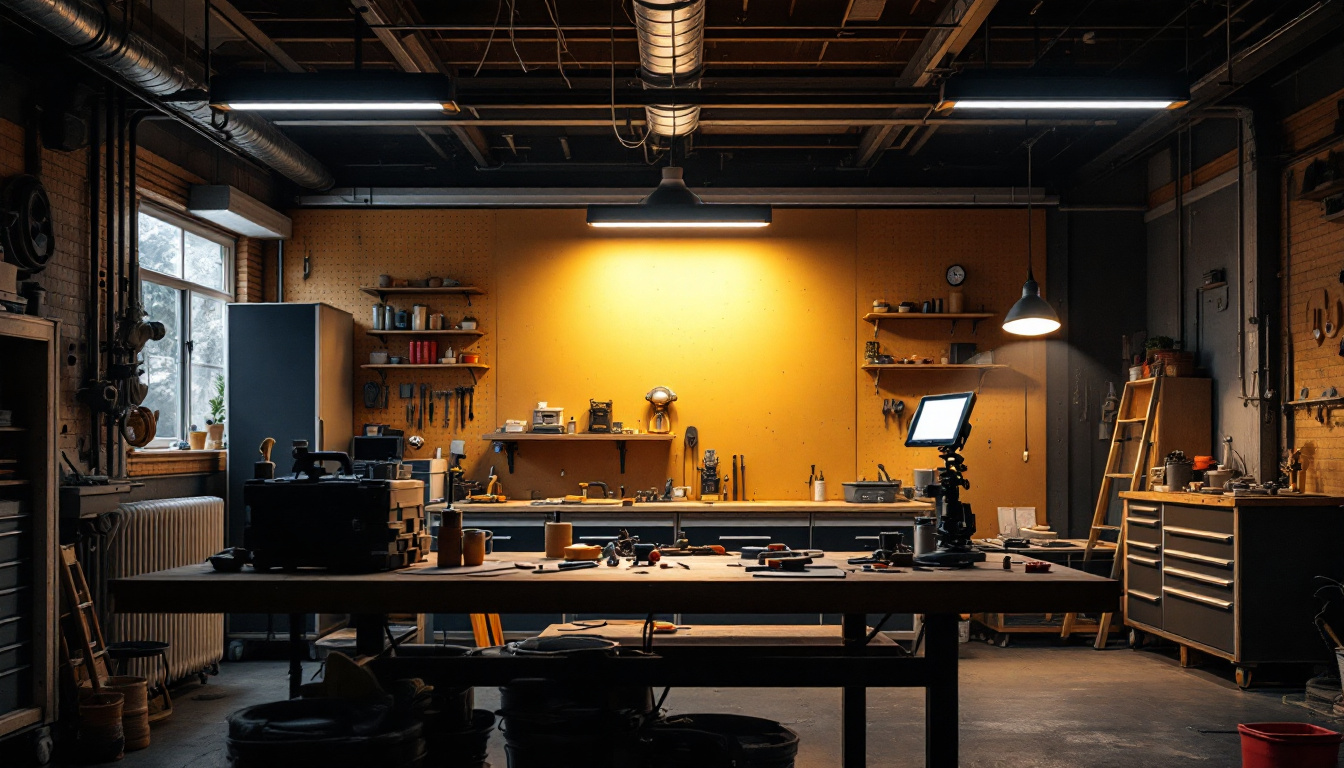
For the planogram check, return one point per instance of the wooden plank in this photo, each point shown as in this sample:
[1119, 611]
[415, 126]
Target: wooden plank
[710, 585]
[930, 367]
[19, 718]
[580, 436]
[881, 316]
[727, 509]
[627, 632]
[468, 290]
[1221, 500]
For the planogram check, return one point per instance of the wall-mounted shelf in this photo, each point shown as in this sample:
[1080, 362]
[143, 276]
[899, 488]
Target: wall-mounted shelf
[426, 333]
[981, 368]
[510, 441]
[13, 429]
[463, 290]
[877, 318]
[382, 370]
[1322, 191]
[1321, 404]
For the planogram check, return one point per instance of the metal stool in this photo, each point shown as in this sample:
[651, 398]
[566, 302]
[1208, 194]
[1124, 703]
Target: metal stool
[144, 649]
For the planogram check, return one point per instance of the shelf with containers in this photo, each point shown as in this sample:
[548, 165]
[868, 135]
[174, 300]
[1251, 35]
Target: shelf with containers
[464, 336]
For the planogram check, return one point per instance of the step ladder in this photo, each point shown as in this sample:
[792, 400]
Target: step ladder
[1131, 401]
[487, 629]
[82, 638]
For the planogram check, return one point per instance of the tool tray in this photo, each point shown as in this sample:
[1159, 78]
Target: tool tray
[340, 523]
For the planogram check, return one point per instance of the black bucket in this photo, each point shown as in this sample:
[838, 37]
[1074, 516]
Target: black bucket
[467, 748]
[549, 725]
[321, 733]
[720, 741]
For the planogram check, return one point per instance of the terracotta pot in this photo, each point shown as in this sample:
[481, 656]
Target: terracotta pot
[214, 437]
[196, 440]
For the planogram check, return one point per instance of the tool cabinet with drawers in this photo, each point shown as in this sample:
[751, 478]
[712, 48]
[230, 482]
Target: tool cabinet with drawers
[1231, 577]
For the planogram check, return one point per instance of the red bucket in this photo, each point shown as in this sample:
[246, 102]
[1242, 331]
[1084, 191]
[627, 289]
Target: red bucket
[1288, 745]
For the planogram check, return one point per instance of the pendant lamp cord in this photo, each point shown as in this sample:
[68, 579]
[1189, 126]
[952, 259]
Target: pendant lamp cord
[1030, 143]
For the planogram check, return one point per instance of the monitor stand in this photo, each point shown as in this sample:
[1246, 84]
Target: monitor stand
[956, 525]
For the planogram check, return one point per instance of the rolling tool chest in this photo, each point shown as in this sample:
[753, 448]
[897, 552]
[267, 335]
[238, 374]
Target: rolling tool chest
[1231, 576]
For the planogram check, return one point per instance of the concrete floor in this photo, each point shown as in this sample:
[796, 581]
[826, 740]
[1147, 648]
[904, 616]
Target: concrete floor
[1025, 705]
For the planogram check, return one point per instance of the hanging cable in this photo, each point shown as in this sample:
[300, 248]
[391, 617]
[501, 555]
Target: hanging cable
[499, 8]
[513, 37]
[627, 143]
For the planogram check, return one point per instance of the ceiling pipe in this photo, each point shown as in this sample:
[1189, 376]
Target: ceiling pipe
[106, 42]
[671, 55]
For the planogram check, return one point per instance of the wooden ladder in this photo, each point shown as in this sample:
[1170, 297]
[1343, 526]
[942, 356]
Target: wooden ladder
[487, 629]
[1125, 420]
[80, 620]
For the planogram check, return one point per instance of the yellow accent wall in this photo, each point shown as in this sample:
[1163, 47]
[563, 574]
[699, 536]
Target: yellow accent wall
[759, 334]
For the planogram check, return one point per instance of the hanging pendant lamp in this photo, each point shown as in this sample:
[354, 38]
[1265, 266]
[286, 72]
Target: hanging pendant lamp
[1031, 315]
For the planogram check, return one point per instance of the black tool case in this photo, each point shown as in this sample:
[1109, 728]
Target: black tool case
[341, 523]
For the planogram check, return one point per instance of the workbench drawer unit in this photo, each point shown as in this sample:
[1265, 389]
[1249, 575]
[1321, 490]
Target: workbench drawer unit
[1231, 577]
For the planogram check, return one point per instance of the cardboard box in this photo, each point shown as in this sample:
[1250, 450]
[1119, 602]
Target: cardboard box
[9, 277]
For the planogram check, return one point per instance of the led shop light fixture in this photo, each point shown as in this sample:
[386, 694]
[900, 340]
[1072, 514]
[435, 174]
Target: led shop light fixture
[334, 91]
[674, 206]
[972, 91]
[1031, 315]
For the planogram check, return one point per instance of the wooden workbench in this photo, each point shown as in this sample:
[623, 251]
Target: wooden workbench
[725, 508]
[710, 585]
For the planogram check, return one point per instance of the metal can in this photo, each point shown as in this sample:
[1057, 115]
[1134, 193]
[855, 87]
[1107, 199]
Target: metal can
[419, 317]
[926, 537]
[379, 313]
[389, 317]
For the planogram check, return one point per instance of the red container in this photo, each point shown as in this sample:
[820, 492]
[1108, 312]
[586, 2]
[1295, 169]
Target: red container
[1288, 745]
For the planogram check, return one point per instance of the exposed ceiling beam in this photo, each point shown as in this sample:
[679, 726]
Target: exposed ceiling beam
[794, 122]
[244, 26]
[414, 53]
[573, 197]
[957, 23]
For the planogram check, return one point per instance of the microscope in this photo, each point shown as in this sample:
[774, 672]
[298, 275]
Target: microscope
[942, 422]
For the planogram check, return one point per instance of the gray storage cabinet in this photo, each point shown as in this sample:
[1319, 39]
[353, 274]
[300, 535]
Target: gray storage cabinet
[1232, 577]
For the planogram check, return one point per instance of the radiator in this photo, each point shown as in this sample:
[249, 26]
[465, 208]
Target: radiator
[151, 536]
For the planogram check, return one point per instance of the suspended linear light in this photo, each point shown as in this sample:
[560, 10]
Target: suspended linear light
[334, 91]
[1031, 315]
[972, 90]
[674, 206]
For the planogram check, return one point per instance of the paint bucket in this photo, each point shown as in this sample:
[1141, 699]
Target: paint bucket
[548, 724]
[720, 741]
[1280, 745]
[101, 738]
[134, 709]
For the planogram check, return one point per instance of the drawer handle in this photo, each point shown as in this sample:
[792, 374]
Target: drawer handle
[1143, 508]
[1144, 545]
[1193, 576]
[1145, 596]
[1146, 522]
[1218, 561]
[1195, 533]
[1226, 605]
[1149, 561]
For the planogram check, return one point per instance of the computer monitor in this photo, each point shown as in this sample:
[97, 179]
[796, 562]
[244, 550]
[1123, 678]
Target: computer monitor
[940, 420]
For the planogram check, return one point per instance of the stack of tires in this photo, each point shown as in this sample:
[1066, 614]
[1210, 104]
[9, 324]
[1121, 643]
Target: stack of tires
[457, 734]
[324, 733]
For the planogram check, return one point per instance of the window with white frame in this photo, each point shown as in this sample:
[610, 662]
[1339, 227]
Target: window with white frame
[186, 278]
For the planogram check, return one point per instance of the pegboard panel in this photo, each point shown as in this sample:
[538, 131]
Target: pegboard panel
[758, 333]
[350, 249]
[903, 255]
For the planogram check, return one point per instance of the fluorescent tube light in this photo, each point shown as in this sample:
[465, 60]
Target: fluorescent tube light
[334, 91]
[1009, 91]
[679, 224]
[333, 106]
[1101, 104]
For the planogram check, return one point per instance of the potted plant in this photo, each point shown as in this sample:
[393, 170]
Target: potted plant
[1164, 358]
[215, 424]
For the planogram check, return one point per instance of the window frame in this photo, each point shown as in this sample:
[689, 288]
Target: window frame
[187, 289]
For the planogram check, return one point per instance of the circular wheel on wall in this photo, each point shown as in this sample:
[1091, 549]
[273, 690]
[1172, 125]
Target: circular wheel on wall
[26, 228]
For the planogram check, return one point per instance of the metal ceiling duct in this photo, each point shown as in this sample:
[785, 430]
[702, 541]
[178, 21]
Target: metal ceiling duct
[671, 55]
[106, 42]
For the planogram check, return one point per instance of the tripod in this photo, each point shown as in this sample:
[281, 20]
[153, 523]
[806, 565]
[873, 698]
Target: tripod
[956, 525]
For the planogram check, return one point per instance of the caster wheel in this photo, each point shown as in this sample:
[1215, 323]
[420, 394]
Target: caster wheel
[202, 677]
[42, 747]
[1003, 640]
[1244, 677]
[1135, 639]
[235, 650]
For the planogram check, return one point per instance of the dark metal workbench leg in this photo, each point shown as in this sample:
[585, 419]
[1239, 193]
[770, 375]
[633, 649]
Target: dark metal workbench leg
[369, 639]
[298, 648]
[941, 718]
[854, 704]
